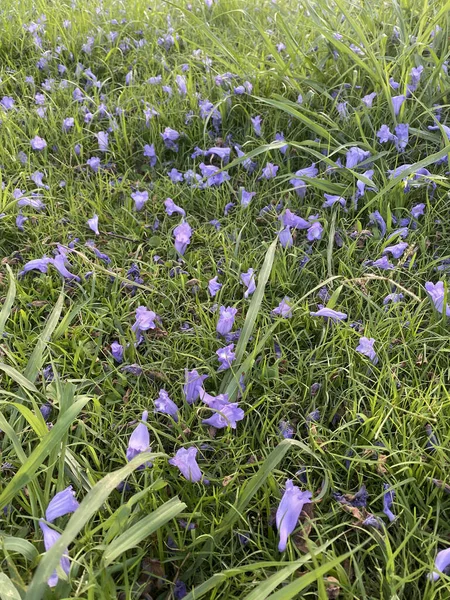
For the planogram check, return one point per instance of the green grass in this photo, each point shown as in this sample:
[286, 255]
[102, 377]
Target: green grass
[130, 544]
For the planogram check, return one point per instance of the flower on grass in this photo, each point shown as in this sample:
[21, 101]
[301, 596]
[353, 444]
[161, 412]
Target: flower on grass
[139, 440]
[145, 320]
[117, 351]
[225, 356]
[388, 499]
[248, 279]
[140, 198]
[441, 563]
[289, 510]
[38, 143]
[225, 323]
[437, 293]
[368, 100]
[149, 152]
[94, 163]
[226, 416]
[269, 171]
[213, 175]
[256, 122]
[397, 250]
[315, 232]
[182, 235]
[172, 208]
[417, 210]
[365, 347]
[376, 217]
[37, 177]
[358, 500]
[355, 156]
[175, 176]
[283, 309]
[397, 102]
[383, 264]
[329, 313]
[164, 404]
[50, 538]
[214, 286]
[285, 237]
[170, 136]
[61, 504]
[330, 200]
[59, 262]
[93, 224]
[290, 219]
[394, 298]
[246, 197]
[185, 460]
[297, 181]
[286, 429]
[193, 386]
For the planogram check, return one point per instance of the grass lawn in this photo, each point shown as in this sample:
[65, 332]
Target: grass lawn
[224, 243]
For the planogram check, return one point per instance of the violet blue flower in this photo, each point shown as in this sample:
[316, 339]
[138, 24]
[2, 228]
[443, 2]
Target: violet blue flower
[394, 298]
[102, 139]
[397, 250]
[376, 217]
[140, 198]
[68, 124]
[342, 110]
[401, 136]
[214, 286]
[139, 440]
[315, 232]
[50, 538]
[285, 237]
[175, 176]
[35, 202]
[383, 263]
[355, 156]
[283, 310]
[59, 262]
[38, 143]
[61, 504]
[228, 207]
[286, 430]
[101, 255]
[172, 208]
[7, 102]
[37, 264]
[297, 181]
[222, 153]
[185, 460]
[441, 563]
[20, 220]
[225, 323]
[368, 100]
[145, 320]
[397, 102]
[169, 137]
[93, 224]
[181, 83]
[193, 385]
[225, 356]
[290, 219]
[182, 235]
[279, 137]
[269, 171]
[246, 197]
[164, 404]
[445, 128]
[289, 510]
[384, 134]
[149, 152]
[330, 200]
[436, 292]
[117, 351]
[417, 210]
[213, 174]
[37, 177]
[94, 163]
[365, 347]
[256, 122]
[388, 499]
[329, 313]
[248, 279]
[226, 416]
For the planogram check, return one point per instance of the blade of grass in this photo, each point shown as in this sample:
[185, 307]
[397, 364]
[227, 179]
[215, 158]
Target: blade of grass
[9, 301]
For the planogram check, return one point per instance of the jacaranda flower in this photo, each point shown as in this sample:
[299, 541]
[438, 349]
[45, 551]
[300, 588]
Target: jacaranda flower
[397, 250]
[397, 102]
[417, 210]
[226, 319]
[283, 309]
[269, 171]
[59, 262]
[436, 292]
[441, 563]
[246, 197]
[193, 386]
[171, 208]
[289, 510]
[297, 181]
[365, 347]
[139, 440]
[248, 279]
[290, 219]
[329, 313]
[94, 163]
[226, 416]
[382, 263]
[149, 152]
[93, 224]
[185, 460]
[182, 235]
[315, 232]
[222, 153]
[61, 504]
[37, 264]
[214, 286]
[355, 156]
[117, 351]
[368, 100]
[330, 200]
[38, 143]
[286, 429]
[376, 217]
[213, 175]
[175, 176]
[256, 122]
[140, 198]
[225, 356]
[164, 404]
[388, 499]
[170, 136]
[285, 237]
[145, 320]
[50, 538]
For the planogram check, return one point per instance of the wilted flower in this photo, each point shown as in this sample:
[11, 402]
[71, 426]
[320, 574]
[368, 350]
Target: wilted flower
[102, 139]
[285, 237]
[226, 416]
[330, 200]
[140, 198]
[50, 538]
[355, 156]
[365, 347]
[181, 83]
[248, 279]
[185, 460]
[117, 351]
[283, 309]
[225, 356]
[61, 504]
[394, 298]
[286, 429]
[226, 319]
[182, 235]
[290, 219]
[193, 385]
[376, 217]
[315, 232]
[329, 313]
[388, 499]
[93, 224]
[214, 286]
[289, 510]
[145, 320]
[397, 250]
[358, 500]
[368, 100]
[172, 208]
[164, 404]
[382, 263]
[139, 440]
[59, 262]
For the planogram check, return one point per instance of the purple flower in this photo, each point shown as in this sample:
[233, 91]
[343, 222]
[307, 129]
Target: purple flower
[397, 250]
[289, 510]
[185, 460]
[225, 356]
[298, 183]
[226, 416]
[37, 177]
[193, 385]
[145, 320]
[134, 369]
[397, 102]
[331, 200]
[68, 124]
[415, 75]
[179, 590]
[394, 298]
[286, 429]
[139, 440]
[285, 237]
[169, 137]
[441, 563]
[394, 85]
[354, 156]
[35, 202]
[269, 171]
[94, 163]
[117, 351]
[149, 152]
[7, 102]
[383, 263]
[438, 128]
[222, 153]
[283, 309]
[417, 210]
[315, 232]
[369, 99]
[226, 319]
[102, 139]
[246, 197]
[342, 110]
[388, 499]
[401, 136]
[164, 404]
[436, 292]
[290, 219]
[140, 198]
[256, 122]
[38, 143]
[212, 174]
[329, 313]
[171, 208]
[228, 207]
[37, 264]
[384, 134]
[365, 347]
[61, 504]
[59, 262]
[214, 286]
[50, 538]
[378, 219]
[248, 279]
[93, 224]
[279, 137]
[182, 235]
[181, 83]
[175, 175]
[20, 220]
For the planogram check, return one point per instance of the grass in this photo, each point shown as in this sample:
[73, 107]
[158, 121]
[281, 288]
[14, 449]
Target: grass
[129, 537]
